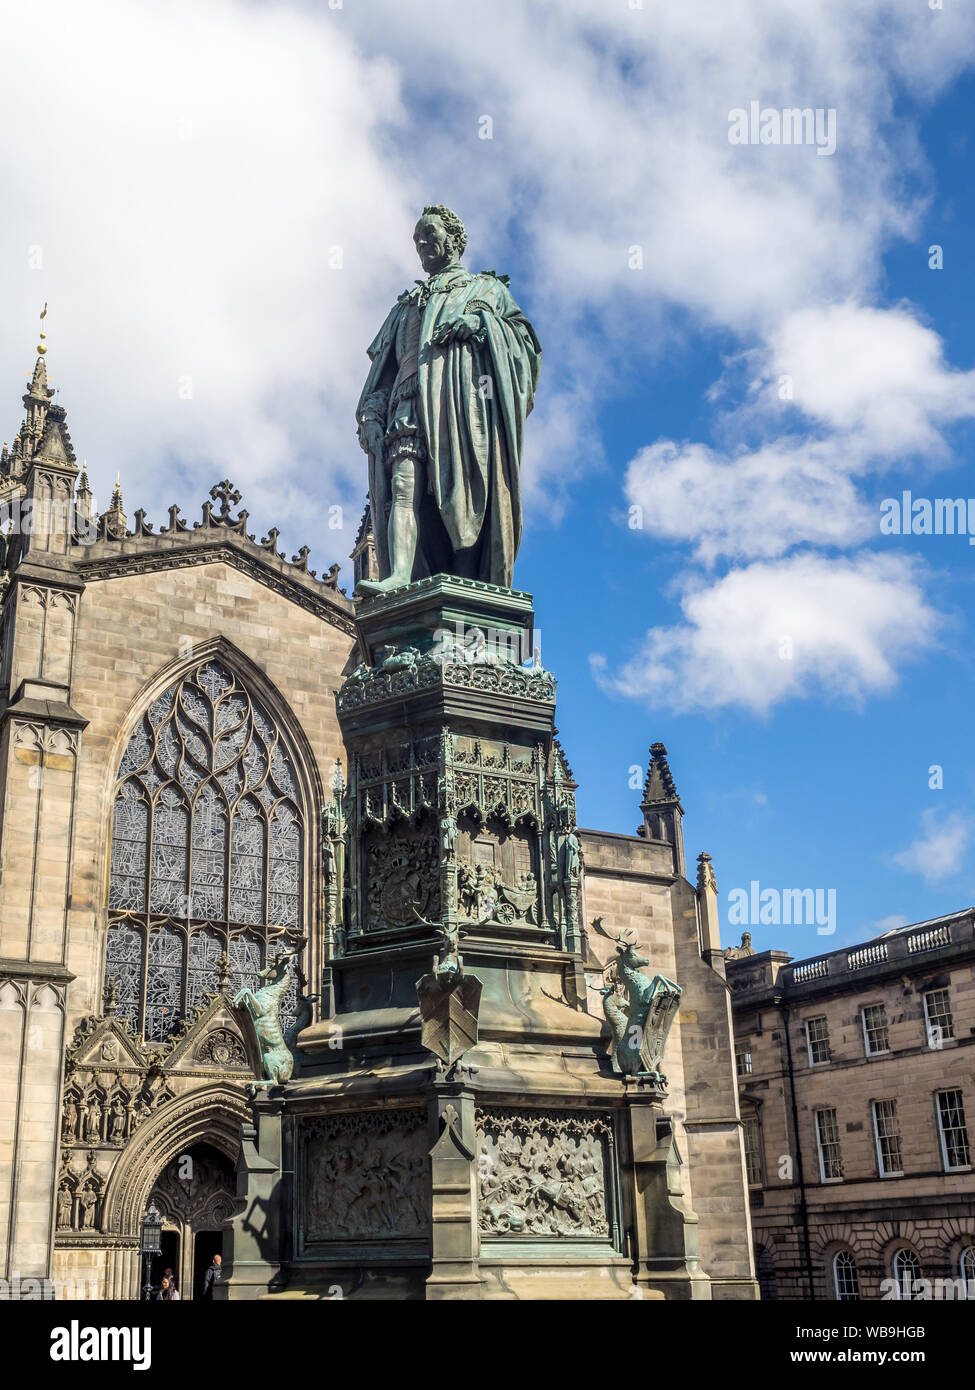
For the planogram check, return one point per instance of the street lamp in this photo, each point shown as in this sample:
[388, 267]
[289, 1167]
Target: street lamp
[151, 1244]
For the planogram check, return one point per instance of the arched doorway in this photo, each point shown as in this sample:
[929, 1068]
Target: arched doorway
[194, 1195]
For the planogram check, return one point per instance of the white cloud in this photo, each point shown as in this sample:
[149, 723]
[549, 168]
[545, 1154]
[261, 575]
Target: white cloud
[184, 171]
[874, 380]
[794, 628]
[187, 169]
[939, 851]
[757, 504]
[891, 923]
[875, 375]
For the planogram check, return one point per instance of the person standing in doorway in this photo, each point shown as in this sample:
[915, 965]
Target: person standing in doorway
[213, 1276]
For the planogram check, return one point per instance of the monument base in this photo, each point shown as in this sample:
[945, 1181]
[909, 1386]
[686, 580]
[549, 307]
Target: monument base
[459, 1128]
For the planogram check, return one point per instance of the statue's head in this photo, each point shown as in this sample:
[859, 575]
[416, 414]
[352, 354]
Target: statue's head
[627, 951]
[439, 238]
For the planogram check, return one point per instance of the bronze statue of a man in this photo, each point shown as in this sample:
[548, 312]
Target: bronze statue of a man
[442, 418]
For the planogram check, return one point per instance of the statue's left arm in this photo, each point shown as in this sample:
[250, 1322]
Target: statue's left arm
[507, 333]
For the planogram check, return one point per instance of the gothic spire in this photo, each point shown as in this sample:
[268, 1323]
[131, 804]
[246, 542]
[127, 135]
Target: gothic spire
[662, 811]
[659, 788]
[113, 523]
[43, 433]
[38, 398]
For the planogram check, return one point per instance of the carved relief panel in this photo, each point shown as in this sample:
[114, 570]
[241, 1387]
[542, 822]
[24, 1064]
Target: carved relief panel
[401, 869]
[365, 1176]
[499, 863]
[546, 1174]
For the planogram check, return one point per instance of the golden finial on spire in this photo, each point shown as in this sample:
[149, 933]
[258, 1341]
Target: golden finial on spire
[41, 349]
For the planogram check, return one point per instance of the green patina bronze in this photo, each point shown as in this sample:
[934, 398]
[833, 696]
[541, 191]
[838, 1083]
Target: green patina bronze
[639, 1011]
[442, 418]
[264, 1005]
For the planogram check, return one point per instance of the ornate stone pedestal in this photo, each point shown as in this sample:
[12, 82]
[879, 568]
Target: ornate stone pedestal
[491, 1148]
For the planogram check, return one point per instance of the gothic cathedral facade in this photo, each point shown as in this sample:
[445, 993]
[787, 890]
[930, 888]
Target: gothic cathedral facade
[169, 753]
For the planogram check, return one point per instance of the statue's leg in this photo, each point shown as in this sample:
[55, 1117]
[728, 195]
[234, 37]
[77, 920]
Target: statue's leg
[406, 486]
[404, 516]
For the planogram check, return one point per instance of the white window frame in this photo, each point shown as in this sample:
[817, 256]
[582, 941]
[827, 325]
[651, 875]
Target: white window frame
[881, 1170]
[963, 1127]
[868, 1050]
[822, 1061]
[849, 1261]
[966, 1269]
[905, 1252]
[821, 1144]
[751, 1123]
[743, 1050]
[928, 1025]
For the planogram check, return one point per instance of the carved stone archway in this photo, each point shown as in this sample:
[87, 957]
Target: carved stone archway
[211, 1116]
[194, 1194]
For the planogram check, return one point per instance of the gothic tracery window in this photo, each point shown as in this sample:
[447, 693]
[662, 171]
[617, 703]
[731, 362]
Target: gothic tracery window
[206, 850]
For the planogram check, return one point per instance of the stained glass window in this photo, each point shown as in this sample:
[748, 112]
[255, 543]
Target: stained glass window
[207, 845]
[164, 983]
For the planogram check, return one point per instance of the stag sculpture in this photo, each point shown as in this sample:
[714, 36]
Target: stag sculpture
[640, 1017]
[264, 1006]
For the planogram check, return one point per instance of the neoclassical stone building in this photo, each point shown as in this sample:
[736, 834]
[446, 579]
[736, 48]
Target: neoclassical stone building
[856, 1072]
[169, 749]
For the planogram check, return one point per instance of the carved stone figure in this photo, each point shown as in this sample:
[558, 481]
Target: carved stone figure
[571, 857]
[69, 1121]
[739, 952]
[87, 1200]
[477, 888]
[117, 1127]
[65, 1206]
[264, 1005]
[442, 417]
[93, 1120]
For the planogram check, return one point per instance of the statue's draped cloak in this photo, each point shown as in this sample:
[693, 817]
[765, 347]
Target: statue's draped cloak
[472, 399]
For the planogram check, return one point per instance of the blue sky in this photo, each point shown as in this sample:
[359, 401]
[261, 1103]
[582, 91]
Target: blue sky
[217, 204]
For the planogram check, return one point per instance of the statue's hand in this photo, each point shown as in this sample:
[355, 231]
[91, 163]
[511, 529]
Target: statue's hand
[462, 329]
[371, 436]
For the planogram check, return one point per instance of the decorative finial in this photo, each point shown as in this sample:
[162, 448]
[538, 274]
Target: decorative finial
[223, 974]
[706, 881]
[41, 349]
[117, 492]
[227, 495]
[111, 995]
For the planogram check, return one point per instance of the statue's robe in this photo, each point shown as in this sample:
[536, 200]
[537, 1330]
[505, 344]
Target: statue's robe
[468, 402]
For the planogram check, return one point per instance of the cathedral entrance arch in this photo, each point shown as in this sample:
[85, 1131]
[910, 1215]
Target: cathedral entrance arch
[204, 1126]
[194, 1197]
